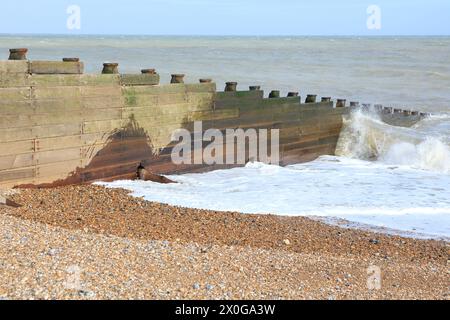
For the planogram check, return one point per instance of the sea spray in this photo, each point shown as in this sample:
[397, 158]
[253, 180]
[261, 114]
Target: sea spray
[357, 136]
[365, 136]
[431, 154]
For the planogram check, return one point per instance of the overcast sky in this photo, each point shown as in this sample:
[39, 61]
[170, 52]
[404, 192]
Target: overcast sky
[227, 17]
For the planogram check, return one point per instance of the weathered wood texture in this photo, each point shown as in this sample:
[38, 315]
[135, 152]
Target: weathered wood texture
[56, 67]
[73, 128]
[139, 79]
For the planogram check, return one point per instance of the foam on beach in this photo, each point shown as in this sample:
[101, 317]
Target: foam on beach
[394, 197]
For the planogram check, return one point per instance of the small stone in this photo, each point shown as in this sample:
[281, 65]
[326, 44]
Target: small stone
[209, 287]
[287, 242]
[86, 294]
[374, 241]
[53, 252]
[196, 286]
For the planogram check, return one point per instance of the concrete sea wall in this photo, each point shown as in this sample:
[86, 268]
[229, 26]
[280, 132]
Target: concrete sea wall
[59, 126]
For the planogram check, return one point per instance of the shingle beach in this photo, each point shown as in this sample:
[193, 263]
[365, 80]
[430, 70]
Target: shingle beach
[89, 242]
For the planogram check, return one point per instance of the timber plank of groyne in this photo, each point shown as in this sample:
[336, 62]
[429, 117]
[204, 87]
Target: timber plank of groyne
[14, 94]
[244, 99]
[152, 120]
[139, 79]
[57, 170]
[16, 161]
[100, 91]
[224, 95]
[201, 88]
[14, 177]
[158, 90]
[16, 147]
[123, 154]
[193, 101]
[14, 107]
[157, 110]
[56, 67]
[58, 80]
[201, 99]
[11, 67]
[173, 101]
[213, 115]
[47, 131]
[47, 144]
[321, 106]
[73, 92]
[80, 140]
[150, 100]
[101, 126]
[54, 118]
[14, 80]
[56, 93]
[38, 152]
[299, 145]
[272, 115]
[54, 156]
[102, 102]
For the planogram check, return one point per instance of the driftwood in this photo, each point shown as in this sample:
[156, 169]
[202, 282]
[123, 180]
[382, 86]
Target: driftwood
[145, 175]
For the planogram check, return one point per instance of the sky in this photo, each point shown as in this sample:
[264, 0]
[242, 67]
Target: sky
[226, 17]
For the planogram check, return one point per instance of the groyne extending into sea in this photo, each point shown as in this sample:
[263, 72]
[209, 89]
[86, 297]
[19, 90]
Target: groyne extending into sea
[59, 126]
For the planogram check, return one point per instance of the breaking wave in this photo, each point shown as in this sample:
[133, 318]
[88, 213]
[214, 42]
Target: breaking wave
[424, 146]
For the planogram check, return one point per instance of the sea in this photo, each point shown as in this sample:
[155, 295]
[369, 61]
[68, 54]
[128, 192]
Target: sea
[384, 178]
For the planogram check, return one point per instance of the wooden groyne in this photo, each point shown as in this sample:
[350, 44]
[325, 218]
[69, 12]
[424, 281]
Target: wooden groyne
[59, 126]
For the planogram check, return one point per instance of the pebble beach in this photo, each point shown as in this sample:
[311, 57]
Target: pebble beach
[90, 242]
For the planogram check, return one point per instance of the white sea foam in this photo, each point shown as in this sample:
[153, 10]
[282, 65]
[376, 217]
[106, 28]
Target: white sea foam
[430, 154]
[395, 197]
